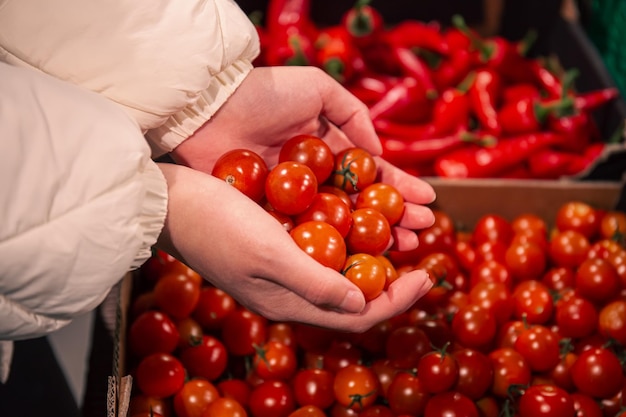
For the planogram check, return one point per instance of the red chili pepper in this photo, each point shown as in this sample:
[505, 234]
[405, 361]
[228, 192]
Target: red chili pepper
[548, 81]
[516, 172]
[337, 55]
[282, 14]
[576, 131]
[413, 66]
[404, 102]
[402, 152]
[370, 88]
[452, 69]
[456, 39]
[530, 115]
[484, 95]
[291, 47]
[363, 23]
[553, 164]
[515, 92]
[589, 156]
[498, 53]
[416, 34]
[410, 131]
[451, 112]
[592, 100]
[489, 162]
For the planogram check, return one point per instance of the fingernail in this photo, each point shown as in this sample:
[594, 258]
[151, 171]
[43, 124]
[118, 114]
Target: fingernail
[354, 302]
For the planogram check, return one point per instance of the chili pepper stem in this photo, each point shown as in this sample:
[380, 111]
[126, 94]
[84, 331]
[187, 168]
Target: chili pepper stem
[486, 48]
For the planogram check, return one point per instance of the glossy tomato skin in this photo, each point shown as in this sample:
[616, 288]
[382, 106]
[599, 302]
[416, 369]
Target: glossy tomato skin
[243, 169]
[384, 198]
[329, 208]
[475, 373]
[311, 151]
[474, 327]
[568, 248]
[532, 301]
[355, 169]
[243, 330]
[613, 224]
[597, 280]
[545, 400]
[227, 407]
[275, 360]
[314, 386]
[540, 347]
[370, 232]
[492, 227]
[367, 273]
[152, 332]
[525, 260]
[576, 317]
[177, 294]
[407, 394]
[356, 387]
[578, 216]
[438, 370]
[207, 360]
[612, 321]
[598, 372]
[213, 306]
[290, 187]
[450, 404]
[509, 368]
[160, 375]
[272, 398]
[308, 411]
[194, 397]
[322, 241]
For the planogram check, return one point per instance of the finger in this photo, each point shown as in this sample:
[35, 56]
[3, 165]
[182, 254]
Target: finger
[416, 217]
[404, 239]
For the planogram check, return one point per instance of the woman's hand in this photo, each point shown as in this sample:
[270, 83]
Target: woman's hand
[233, 243]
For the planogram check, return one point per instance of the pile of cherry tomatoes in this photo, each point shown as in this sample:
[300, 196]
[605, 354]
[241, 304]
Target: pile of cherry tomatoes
[525, 318]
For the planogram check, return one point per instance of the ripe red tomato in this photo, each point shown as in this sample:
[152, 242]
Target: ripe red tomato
[391, 273]
[213, 306]
[311, 151]
[225, 407]
[207, 360]
[545, 400]
[492, 227]
[532, 302]
[189, 332]
[575, 317]
[568, 248]
[529, 221]
[141, 404]
[370, 232]
[290, 187]
[586, 406]
[598, 372]
[356, 387]
[558, 278]
[475, 373]
[509, 368]
[152, 332]
[491, 271]
[235, 388]
[450, 404]
[495, 297]
[580, 217]
[613, 224]
[160, 375]
[340, 354]
[322, 242]
[314, 386]
[525, 260]
[438, 370]
[243, 169]
[384, 198]
[177, 294]
[539, 345]
[308, 411]
[272, 398]
[612, 321]
[405, 346]
[367, 273]
[355, 169]
[242, 330]
[275, 360]
[194, 397]
[597, 280]
[407, 394]
[474, 326]
[328, 208]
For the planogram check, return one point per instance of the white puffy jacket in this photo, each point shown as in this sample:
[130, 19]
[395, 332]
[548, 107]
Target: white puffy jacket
[81, 200]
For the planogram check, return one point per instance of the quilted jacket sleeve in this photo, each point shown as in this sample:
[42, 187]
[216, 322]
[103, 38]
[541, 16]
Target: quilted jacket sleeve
[169, 64]
[81, 200]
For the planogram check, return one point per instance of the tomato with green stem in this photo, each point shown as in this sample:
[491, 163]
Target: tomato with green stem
[356, 387]
[208, 359]
[242, 330]
[367, 273]
[355, 169]
[274, 360]
[509, 369]
[438, 370]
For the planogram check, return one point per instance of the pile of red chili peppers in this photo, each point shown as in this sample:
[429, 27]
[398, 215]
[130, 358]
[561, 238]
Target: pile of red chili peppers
[445, 101]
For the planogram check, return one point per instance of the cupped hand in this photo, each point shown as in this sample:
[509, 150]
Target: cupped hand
[236, 245]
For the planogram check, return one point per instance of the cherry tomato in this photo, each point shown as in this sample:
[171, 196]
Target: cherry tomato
[314, 386]
[194, 397]
[545, 400]
[377, 410]
[340, 354]
[311, 151]
[509, 368]
[275, 360]
[491, 271]
[580, 217]
[152, 332]
[561, 373]
[308, 411]
[529, 221]
[177, 294]
[207, 360]
[438, 370]
[384, 198]
[509, 331]
[525, 260]
[242, 330]
[586, 406]
[355, 169]
[558, 278]
[322, 242]
[494, 297]
[189, 332]
[160, 375]
[141, 405]
[225, 407]
[576, 317]
[355, 386]
[598, 372]
[290, 187]
[492, 227]
[540, 347]
[235, 388]
[391, 273]
[407, 394]
[568, 248]
[331, 189]
[613, 225]
[272, 398]
[367, 273]
[162, 263]
[370, 232]
[474, 326]
[450, 404]
[243, 169]
[532, 302]
[597, 280]
[612, 321]
[213, 306]
[328, 208]
[405, 346]
[475, 373]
